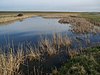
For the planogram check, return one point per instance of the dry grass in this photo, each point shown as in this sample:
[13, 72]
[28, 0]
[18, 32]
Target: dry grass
[6, 17]
[52, 47]
[80, 25]
[31, 61]
[13, 17]
[10, 63]
[59, 15]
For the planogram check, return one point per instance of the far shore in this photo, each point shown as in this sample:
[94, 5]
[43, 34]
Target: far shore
[12, 16]
[4, 18]
[64, 17]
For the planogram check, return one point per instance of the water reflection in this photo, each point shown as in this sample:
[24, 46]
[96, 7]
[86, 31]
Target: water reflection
[31, 30]
[27, 29]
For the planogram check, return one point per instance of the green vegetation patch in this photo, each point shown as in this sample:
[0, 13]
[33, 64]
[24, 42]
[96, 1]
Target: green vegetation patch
[92, 17]
[87, 63]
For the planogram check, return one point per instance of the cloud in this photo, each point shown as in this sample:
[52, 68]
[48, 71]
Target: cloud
[71, 5]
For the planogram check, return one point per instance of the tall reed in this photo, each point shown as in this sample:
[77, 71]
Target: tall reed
[30, 61]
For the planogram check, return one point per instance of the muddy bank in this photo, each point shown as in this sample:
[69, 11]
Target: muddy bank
[79, 24]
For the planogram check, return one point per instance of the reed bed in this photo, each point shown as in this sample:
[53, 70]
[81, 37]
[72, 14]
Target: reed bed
[94, 18]
[38, 60]
[79, 25]
[57, 42]
[29, 62]
[9, 63]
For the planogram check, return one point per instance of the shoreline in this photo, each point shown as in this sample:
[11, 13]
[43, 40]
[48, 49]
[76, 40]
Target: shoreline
[8, 17]
[5, 19]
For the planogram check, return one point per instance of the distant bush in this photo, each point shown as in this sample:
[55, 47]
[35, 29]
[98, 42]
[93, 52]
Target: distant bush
[20, 14]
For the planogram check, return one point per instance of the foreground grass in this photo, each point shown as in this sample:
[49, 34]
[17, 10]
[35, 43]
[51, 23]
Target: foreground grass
[86, 63]
[37, 61]
[33, 60]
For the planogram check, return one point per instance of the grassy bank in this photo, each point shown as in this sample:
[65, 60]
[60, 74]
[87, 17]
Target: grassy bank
[83, 22]
[10, 17]
[94, 18]
[79, 25]
[86, 63]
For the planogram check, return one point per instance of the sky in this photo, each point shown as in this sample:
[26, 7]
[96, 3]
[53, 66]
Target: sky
[50, 5]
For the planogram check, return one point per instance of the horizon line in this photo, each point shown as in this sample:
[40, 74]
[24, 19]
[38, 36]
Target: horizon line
[42, 11]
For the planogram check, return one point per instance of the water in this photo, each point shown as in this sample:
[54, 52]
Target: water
[31, 29]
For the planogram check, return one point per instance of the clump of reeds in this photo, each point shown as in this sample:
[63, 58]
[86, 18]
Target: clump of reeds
[57, 43]
[79, 25]
[12, 63]
[9, 63]
[72, 53]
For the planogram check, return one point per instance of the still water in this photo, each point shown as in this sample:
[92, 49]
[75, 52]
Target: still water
[31, 30]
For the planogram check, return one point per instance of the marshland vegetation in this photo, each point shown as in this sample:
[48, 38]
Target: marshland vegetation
[55, 56]
[13, 16]
[40, 60]
[83, 23]
[18, 63]
[94, 18]
[10, 17]
[85, 63]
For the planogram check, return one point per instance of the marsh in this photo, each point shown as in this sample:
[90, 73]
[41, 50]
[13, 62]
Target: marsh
[40, 43]
[34, 28]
